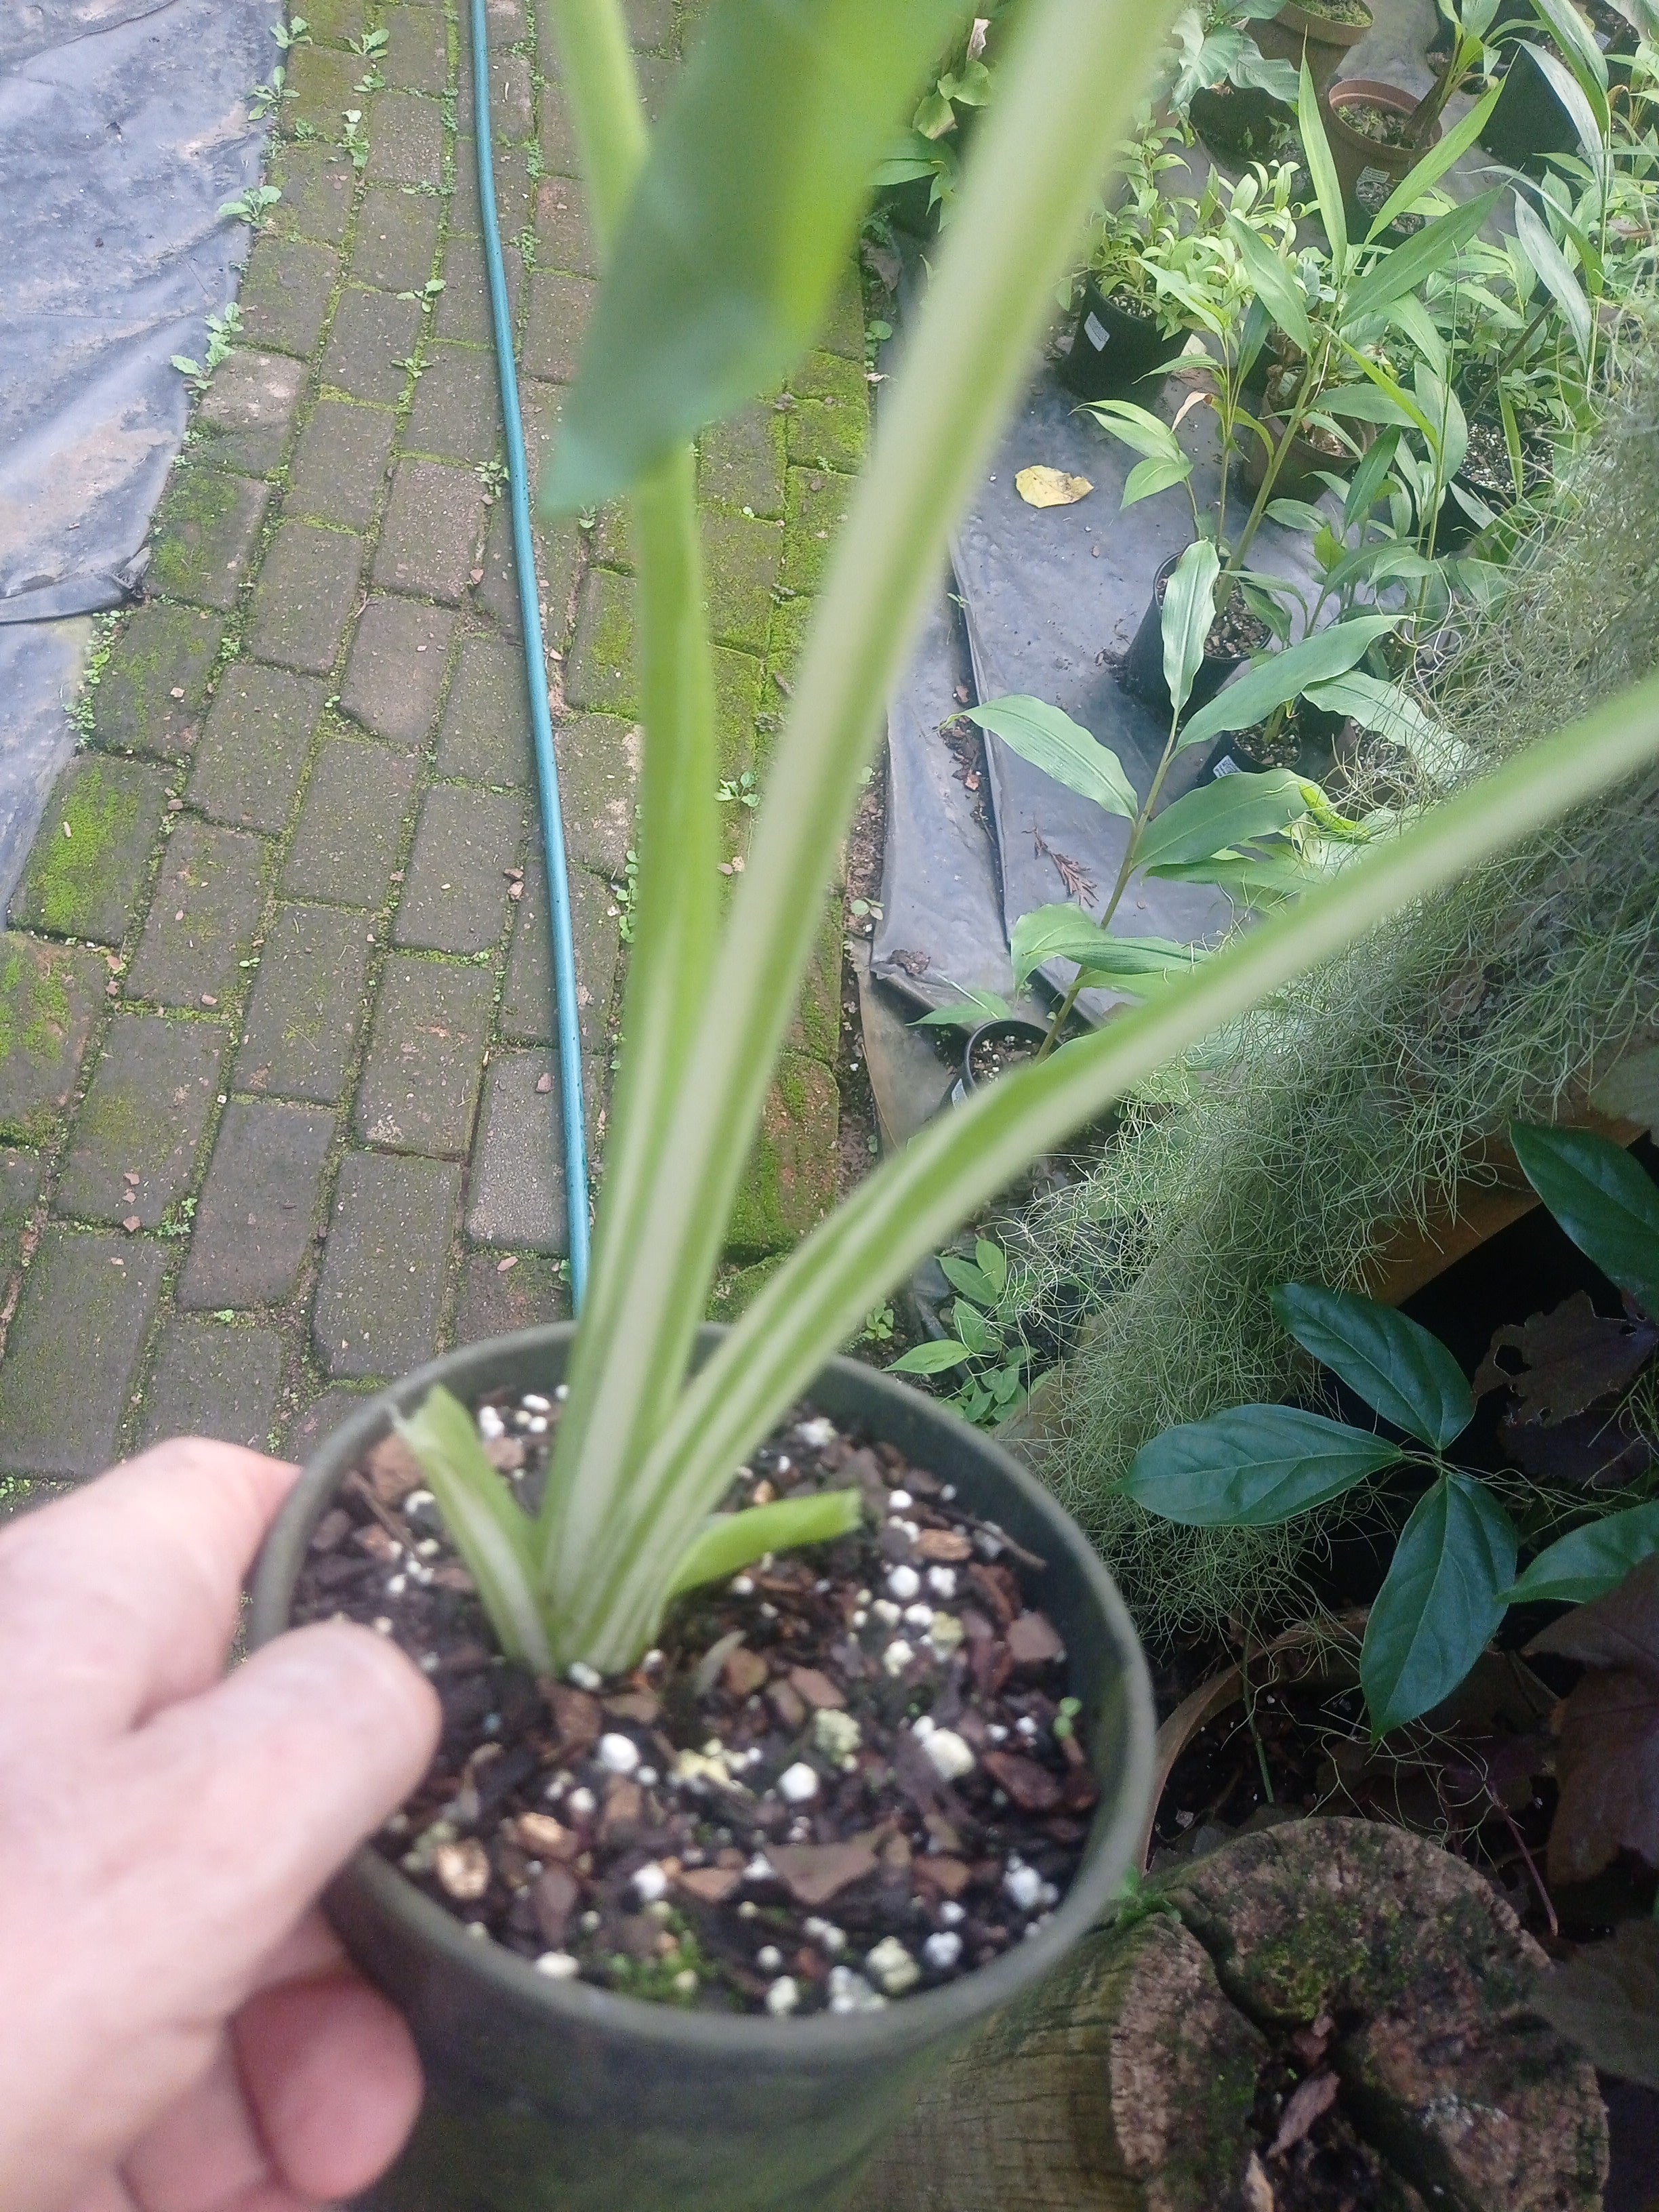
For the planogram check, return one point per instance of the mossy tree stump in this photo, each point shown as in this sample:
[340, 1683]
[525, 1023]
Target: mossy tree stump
[1134, 2081]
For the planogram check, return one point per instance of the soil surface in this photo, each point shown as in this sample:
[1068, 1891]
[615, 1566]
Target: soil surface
[992, 1056]
[1486, 468]
[1372, 119]
[849, 1774]
[1337, 11]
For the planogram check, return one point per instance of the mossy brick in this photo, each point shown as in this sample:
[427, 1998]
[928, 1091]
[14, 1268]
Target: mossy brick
[249, 407]
[740, 461]
[792, 620]
[814, 1027]
[202, 918]
[500, 1294]
[505, 24]
[162, 650]
[426, 1052]
[610, 541]
[434, 521]
[555, 137]
[828, 428]
[516, 1189]
[455, 899]
[602, 677]
[843, 326]
[351, 825]
[789, 1183]
[212, 1379]
[650, 25]
[485, 734]
[22, 1174]
[285, 293]
[457, 415]
[564, 237]
[416, 56]
[145, 1113]
[341, 463]
[558, 563]
[737, 678]
[512, 190]
[304, 597]
[397, 238]
[599, 757]
[374, 335]
[395, 672]
[258, 1214]
[527, 1014]
[309, 1430]
[462, 315]
[405, 139]
[253, 749]
[92, 854]
[735, 1288]
[49, 996]
[205, 530]
[304, 1019]
[317, 184]
[336, 22]
[72, 1354]
[380, 1296]
[742, 556]
[815, 506]
[560, 307]
[322, 84]
[512, 98]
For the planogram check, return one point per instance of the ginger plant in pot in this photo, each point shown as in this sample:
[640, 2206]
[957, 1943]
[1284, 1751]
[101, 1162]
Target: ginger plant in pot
[722, 246]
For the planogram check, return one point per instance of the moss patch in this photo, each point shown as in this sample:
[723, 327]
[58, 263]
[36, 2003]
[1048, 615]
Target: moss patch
[162, 650]
[817, 500]
[790, 1182]
[91, 856]
[741, 556]
[602, 673]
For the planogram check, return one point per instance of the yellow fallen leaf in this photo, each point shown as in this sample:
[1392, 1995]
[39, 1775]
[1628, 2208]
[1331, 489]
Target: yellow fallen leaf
[1046, 487]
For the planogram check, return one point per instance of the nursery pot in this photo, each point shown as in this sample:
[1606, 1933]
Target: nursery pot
[1239, 121]
[1006, 1031]
[545, 2096]
[1296, 33]
[1298, 474]
[1142, 673]
[1528, 123]
[1112, 348]
[1353, 153]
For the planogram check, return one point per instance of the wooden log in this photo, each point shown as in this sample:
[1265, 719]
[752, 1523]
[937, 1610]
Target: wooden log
[1137, 2079]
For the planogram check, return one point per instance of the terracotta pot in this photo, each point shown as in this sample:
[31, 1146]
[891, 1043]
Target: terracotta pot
[1354, 153]
[1296, 32]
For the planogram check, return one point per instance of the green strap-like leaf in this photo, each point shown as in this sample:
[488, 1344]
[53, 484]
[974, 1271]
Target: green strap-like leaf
[1449, 148]
[1321, 169]
[973, 1008]
[491, 1533]
[1441, 1600]
[730, 1542]
[1405, 266]
[1252, 1467]
[1188, 611]
[739, 226]
[1280, 677]
[1395, 1366]
[1220, 816]
[1274, 283]
[1062, 748]
[1396, 715]
[1062, 933]
[1537, 242]
[1594, 1559]
[1607, 1204]
[931, 1358]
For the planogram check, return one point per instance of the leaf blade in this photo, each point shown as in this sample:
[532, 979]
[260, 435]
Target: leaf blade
[1050, 740]
[730, 1542]
[1282, 676]
[1608, 1205]
[1188, 611]
[1252, 1467]
[1439, 1603]
[1390, 1360]
[1589, 1562]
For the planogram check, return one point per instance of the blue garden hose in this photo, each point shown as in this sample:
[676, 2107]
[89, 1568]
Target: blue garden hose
[561, 942]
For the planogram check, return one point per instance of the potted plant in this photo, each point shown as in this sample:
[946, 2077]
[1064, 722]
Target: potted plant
[1128, 326]
[1237, 100]
[723, 248]
[1373, 125]
[1315, 34]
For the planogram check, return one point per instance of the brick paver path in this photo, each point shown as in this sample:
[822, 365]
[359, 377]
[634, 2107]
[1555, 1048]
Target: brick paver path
[276, 1082]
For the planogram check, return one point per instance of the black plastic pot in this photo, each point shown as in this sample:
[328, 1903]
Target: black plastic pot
[911, 206]
[549, 2096]
[1527, 124]
[1113, 350]
[1007, 1030]
[1318, 728]
[1142, 672]
[1238, 121]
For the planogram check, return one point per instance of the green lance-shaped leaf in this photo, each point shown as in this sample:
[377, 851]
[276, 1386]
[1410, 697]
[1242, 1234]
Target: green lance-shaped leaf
[1062, 748]
[1537, 242]
[1252, 1467]
[1577, 41]
[1274, 284]
[1321, 169]
[931, 1358]
[730, 1542]
[1607, 1204]
[1591, 125]
[1248, 879]
[1061, 933]
[1394, 714]
[739, 226]
[1281, 677]
[1449, 148]
[1594, 1559]
[970, 1010]
[1439, 1603]
[971, 1280]
[1395, 1366]
[1409, 264]
[1222, 815]
[1188, 611]
[492, 1531]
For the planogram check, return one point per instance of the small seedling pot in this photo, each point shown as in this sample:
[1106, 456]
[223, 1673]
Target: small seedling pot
[1113, 351]
[1142, 672]
[1353, 153]
[1316, 731]
[1297, 33]
[545, 2096]
[1302, 471]
[1008, 1032]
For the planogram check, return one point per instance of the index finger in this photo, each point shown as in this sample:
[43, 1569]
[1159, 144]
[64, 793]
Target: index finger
[123, 1598]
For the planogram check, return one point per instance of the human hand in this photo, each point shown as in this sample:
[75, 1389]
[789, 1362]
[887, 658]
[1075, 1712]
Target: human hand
[179, 2031]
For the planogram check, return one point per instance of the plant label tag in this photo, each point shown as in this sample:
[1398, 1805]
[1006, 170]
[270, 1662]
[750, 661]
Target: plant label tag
[1095, 330]
[1225, 766]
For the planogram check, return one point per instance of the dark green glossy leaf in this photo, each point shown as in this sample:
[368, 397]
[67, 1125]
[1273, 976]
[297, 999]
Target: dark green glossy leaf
[1439, 1603]
[1592, 1560]
[1607, 1204]
[1252, 1467]
[973, 1282]
[740, 225]
[1395, 1366]
[1279, 677]
[1220, 815]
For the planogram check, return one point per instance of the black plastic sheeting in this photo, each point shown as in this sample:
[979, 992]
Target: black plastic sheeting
[123, 128]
